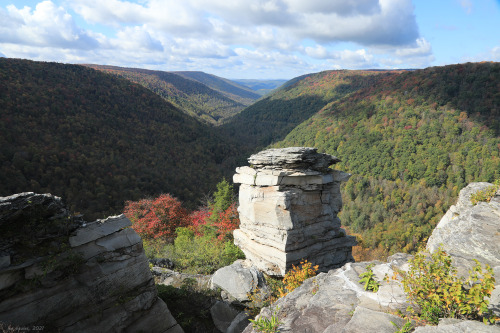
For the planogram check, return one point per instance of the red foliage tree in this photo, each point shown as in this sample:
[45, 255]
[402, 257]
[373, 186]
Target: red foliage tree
[228, 221]
[159, 217]
[198, 219]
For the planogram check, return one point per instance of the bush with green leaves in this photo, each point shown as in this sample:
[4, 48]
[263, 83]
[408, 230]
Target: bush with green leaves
[195, 254]
[368, 279]
[486, 194]
[267, 325]
[436, 291]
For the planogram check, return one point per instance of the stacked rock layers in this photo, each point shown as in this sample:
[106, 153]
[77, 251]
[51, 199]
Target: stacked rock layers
[61, 274]
[289, 200]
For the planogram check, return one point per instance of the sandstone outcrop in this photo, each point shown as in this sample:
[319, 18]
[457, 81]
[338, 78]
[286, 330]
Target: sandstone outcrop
[336, 302]
[470, 231]
[288, 205]
[63, 274]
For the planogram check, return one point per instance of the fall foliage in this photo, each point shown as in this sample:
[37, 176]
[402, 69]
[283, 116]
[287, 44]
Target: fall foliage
[159, 217]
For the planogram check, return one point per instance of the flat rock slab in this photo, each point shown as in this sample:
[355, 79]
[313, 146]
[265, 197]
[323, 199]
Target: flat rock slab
[99, 229]
[366, 320]
[293, 158]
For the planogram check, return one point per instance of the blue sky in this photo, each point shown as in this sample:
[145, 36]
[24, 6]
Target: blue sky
[252, 38]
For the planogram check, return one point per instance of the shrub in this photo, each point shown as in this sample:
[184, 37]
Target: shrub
[296, 276]
[368, 278]
[156, 218]
[486, 194]
[280, 288]
[435, 291]
[227, 222]
[202, 254]
[267, 325]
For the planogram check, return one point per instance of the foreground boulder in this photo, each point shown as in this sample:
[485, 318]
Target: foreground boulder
[64, 274]
[239, 280]
[288, 205]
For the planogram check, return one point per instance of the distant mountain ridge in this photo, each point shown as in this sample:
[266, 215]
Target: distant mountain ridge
[204, 96]
[262, 87]
[229, 88]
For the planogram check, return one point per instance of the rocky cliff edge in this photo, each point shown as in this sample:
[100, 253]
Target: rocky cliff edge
[336, 302]
[60, 273]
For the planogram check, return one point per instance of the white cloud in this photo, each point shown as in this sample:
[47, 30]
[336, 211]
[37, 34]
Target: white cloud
[492, 54]
[136, 39]
[251, 36]
[170, 16]
[249, 13]
[194, 48]
[46, 25]
[422, 48]
[367, 22]
[317, 52]
[394, 24]
[339, 7]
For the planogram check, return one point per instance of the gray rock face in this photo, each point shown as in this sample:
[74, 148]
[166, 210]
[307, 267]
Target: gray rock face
[169, 277]
[239, 323]
[288, 205]
[336, 302]
[470, 232]
[223, 315]
[71, 276]
[366, 320]
[458, 326]
[238, 279]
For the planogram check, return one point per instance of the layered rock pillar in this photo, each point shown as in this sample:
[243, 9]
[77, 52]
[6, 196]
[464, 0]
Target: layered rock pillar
[288, 204]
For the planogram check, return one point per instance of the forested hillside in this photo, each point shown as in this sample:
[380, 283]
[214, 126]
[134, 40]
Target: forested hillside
[411, 140]
[98, 140]
[212, 103]
[273, 117]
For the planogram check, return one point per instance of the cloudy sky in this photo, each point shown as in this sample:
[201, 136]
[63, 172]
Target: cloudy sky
[252, 38]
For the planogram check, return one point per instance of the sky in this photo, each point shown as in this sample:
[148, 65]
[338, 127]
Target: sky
[252, 39]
